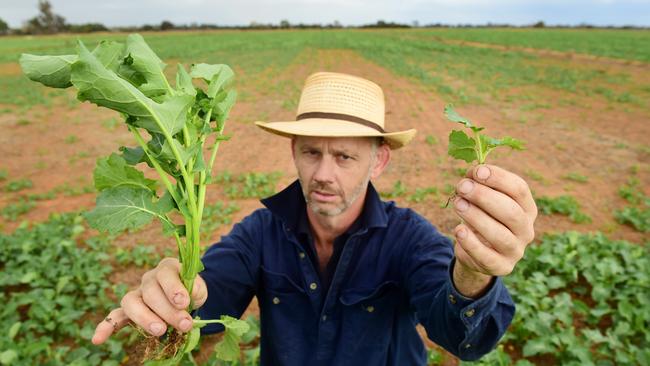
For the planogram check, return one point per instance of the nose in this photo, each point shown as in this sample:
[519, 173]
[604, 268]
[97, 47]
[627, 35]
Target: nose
[325, 171]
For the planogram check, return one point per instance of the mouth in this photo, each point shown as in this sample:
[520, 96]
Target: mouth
[323, 196]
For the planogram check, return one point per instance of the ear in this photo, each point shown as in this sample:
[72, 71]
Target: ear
[381, 161]
[293, 149]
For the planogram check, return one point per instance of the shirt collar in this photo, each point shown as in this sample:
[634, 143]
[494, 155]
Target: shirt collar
[289, 205]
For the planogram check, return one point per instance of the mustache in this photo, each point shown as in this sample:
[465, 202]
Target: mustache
[323, 188]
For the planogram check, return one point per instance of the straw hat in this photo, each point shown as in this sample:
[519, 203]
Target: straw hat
[339, 105]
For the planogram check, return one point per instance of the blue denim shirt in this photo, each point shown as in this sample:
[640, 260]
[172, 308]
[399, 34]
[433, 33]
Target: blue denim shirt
[393, 272]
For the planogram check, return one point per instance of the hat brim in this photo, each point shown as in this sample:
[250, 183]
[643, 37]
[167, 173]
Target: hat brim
[321, 127]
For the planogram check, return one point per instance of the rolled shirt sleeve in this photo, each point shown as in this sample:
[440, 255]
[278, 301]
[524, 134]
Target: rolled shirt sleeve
[468, 328]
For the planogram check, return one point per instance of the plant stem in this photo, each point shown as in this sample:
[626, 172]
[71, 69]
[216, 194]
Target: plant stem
[154, 162]
[479, 148]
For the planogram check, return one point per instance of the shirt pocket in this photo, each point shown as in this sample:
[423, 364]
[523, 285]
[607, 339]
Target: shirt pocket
[279, 283]
[368, 315]
[285, 311]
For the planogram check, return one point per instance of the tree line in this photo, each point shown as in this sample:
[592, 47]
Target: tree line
[48, 22]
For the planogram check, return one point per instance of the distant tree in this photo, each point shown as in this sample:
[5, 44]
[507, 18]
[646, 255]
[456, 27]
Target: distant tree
[46, 22]
[166, 25]
[539, 24]
[86, 28]
[284, 24]
[4, 27]
[383, 24]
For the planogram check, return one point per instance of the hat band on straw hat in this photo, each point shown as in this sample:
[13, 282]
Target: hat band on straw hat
[341, 116]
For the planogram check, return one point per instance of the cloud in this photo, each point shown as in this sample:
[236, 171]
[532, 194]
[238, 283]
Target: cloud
[352, 12]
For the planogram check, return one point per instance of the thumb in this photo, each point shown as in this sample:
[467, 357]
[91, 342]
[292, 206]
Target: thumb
[199, 292]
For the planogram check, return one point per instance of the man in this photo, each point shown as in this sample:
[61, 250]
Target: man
[341, 277]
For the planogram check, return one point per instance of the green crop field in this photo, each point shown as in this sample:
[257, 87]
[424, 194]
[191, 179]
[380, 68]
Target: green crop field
[579, 98]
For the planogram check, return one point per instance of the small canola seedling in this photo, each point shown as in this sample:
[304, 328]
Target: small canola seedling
[178, 130]
[477, 147]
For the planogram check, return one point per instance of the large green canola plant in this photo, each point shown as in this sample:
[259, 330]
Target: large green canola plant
[172, 126]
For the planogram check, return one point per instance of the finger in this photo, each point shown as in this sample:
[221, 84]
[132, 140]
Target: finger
[168, 277]
[507, 183]
[136, 310]
[473, 252]
[115, 321]
[496, 204]
[154, 298]
[497, 235]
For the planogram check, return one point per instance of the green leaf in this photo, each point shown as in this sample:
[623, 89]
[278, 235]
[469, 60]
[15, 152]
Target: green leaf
[208, 72]
[184, 81]
[147, 63]
[461, 146]
[14, 329]
[220, 81]
[537, 346]
[222, 109]
[109, 53]
[113, 171]
[453, 116]
[121, 208]
[506, 141]
[132, 155]
[102, 86]
[7, 357]
[594, 336]
[52, 71]
[185, 153]
[64, 280]
[199, 163]
[235, 325]
[228, 348]
[172, 114]
[192, 340]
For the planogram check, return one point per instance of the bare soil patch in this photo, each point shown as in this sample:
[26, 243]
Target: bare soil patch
[594, 140]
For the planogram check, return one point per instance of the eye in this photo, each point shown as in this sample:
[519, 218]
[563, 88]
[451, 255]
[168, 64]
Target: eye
[311, 152]
[345, 157]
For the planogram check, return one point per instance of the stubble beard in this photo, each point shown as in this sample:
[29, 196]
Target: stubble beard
[347, 201]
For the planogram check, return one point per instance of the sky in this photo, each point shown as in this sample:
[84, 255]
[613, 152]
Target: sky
[115, 13]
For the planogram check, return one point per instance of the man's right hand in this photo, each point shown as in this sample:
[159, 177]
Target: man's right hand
[161, 299]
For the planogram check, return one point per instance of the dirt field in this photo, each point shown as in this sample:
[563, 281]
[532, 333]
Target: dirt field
[597, 140]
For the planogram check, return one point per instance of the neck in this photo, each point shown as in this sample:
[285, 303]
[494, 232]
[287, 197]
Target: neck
[328, 228]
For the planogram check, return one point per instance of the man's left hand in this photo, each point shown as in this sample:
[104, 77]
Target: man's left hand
[498, 212]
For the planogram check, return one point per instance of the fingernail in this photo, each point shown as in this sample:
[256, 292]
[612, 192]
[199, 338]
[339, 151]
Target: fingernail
[185, 325]
[461, 234]
[466, 186]
[461, 204]
[483, 172]
[179, 299]
[156, 328]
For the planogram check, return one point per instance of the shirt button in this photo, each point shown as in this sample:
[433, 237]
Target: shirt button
[313, 286]
[302, 255]
[452, 298]
[370, 309]
[276, 300]
[468, 346]
[470, 313]
[324, 317]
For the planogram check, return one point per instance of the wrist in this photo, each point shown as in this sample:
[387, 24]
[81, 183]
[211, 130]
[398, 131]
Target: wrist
[470, 283]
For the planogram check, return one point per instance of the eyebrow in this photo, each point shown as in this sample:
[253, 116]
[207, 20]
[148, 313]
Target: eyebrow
[335, 151]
